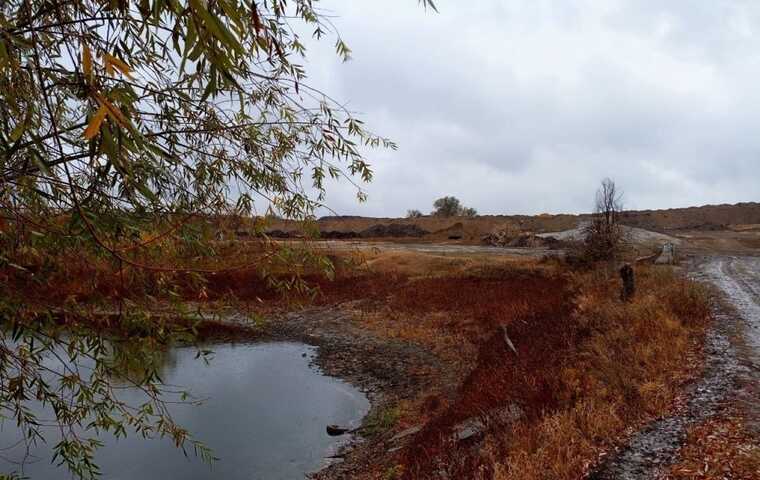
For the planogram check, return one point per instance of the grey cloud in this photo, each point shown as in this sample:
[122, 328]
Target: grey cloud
[523, 106]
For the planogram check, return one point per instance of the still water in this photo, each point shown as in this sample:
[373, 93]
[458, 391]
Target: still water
[264, 417]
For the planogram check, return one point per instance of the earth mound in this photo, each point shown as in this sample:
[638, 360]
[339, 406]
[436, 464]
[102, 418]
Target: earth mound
[395, 230]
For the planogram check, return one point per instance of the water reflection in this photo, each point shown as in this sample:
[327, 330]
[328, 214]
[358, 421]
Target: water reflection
[264, 416]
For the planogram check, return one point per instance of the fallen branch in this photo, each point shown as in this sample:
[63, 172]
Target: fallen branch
[507, 340]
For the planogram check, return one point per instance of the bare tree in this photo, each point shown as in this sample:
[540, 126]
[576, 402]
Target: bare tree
[603, 233]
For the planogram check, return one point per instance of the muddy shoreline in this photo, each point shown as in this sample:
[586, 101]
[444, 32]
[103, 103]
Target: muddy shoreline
[381, 368]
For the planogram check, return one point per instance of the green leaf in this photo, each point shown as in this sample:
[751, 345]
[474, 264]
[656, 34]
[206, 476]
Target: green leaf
[217, 28]
[147, 192]
[22, 126]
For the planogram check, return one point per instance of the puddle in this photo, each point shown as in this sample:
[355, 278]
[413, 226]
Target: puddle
[264, 416]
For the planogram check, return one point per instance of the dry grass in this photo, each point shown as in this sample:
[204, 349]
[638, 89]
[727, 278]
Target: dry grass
[248, 270]
[720, 448]
[626, 367]
[589, 366]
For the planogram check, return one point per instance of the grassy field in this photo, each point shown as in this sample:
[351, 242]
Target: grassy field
[588, 367]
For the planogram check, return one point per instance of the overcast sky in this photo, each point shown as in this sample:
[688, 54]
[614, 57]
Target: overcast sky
[523, 106]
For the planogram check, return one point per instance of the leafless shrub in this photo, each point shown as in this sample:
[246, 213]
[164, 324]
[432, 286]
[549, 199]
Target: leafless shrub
[604, 235]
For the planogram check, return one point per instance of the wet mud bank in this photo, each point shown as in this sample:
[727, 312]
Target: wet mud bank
[731, 373]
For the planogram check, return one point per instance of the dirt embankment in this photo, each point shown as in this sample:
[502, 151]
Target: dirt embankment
[707, 218]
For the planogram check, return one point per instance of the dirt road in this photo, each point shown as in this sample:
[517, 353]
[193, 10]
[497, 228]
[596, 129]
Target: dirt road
[732, 371]
[435, 248]
[738, 278]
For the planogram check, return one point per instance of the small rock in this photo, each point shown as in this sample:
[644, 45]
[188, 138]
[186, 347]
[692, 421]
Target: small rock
[476, 426]
[469, 429]
[335, 430]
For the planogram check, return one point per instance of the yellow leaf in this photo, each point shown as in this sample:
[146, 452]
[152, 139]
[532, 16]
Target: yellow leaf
[113, 111]
[86, 61]
[121, 66]
[93, 128]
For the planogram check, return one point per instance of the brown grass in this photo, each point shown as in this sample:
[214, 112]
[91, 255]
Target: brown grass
[71, 275]
[718, 448]
[588, 365]
[626, 367]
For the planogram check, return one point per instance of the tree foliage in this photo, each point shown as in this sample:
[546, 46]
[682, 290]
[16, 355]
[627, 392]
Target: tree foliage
[123, 126]
[451, 207]
[468, 212]
[167, 107]
[413, 213]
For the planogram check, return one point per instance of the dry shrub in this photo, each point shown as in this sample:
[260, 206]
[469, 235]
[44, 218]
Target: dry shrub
[245, 271]
[627, 365]
[589, 366]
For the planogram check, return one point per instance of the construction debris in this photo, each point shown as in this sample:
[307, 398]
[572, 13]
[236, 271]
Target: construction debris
[668, 255]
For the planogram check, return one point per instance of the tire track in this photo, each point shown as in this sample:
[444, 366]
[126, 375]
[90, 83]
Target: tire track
[739, 280]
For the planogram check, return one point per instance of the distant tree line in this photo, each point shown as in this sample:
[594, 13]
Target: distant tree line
[448, 206]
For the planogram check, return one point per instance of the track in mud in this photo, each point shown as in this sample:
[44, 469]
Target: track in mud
[739, 279]
[732, 371]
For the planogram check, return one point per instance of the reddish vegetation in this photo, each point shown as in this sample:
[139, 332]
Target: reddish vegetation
[587, 366]
[500, 377]
[476, 305]
[716, 449]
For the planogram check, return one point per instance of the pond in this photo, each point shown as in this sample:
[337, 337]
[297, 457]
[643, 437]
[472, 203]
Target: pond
[264, 416]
